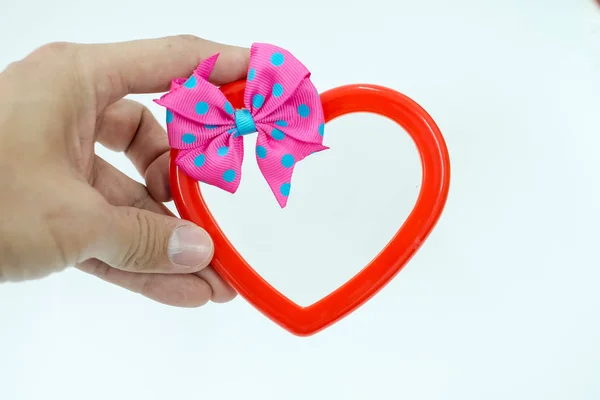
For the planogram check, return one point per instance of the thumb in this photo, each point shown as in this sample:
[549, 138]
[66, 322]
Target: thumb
[142, 241]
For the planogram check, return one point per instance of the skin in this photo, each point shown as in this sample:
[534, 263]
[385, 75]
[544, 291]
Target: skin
[63, 206]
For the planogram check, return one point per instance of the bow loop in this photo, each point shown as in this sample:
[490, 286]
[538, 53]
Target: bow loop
[274, 74]
[198, 100]
[217, 162]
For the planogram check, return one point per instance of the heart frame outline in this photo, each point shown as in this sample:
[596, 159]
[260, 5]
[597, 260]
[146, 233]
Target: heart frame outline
[435, 183]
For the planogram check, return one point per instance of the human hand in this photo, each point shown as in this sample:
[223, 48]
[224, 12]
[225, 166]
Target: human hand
[62, 205]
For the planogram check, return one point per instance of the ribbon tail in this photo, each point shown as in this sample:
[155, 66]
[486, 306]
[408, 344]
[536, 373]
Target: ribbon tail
[205, 67]
[277, 160]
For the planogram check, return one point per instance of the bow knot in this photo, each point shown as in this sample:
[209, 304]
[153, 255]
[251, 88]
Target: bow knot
[244, 122]
[280, 103]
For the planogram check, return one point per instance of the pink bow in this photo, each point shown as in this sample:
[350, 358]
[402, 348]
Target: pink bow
[281, 104]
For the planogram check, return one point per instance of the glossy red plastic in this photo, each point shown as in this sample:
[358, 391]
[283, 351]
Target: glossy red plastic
[304, 321]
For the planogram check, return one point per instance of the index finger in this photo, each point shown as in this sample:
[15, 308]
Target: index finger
[148, 66]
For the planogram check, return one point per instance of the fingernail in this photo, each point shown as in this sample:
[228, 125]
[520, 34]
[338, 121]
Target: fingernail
[190, 246]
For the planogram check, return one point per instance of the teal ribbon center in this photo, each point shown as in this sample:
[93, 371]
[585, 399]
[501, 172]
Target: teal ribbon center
[244, 122]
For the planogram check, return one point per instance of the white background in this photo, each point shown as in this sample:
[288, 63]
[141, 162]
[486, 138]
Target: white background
[502, 301]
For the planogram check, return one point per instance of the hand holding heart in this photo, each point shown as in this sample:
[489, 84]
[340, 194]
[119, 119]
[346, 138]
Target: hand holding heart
[62, 205]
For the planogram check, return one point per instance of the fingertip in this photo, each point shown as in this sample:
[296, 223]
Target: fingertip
[185, 291]
[222, 292]
[224, 297]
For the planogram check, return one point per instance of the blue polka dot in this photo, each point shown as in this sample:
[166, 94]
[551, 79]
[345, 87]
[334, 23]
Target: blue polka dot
[287, 160]
[229, 175]
[251, 74]
[199, 160]
[322, 129]
[202, 108]
[277, 89]
[232, 130]
[208, 126]
[228, 108]
[258, 100]
[281, 123]
[303, 110]
[169, 117]
[190, 83]
[277, 59]
[277, 134]
[285, 189]
[261, 152]
[188, 138]
[222, 151]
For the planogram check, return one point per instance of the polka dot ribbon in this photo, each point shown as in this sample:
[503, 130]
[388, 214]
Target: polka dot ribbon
[281, 105]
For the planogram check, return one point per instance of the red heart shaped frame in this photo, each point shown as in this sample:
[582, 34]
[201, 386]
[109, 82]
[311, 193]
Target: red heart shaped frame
[304, 321]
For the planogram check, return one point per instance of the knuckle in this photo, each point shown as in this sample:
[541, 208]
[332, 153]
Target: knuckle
[63, 252]
[145, 248]
[141, 199]
[13, 66]
[43, 62]
[58, 65]
[125, 115]
[137, 115]
[185, 42]
[62, 49]
[189, 38]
